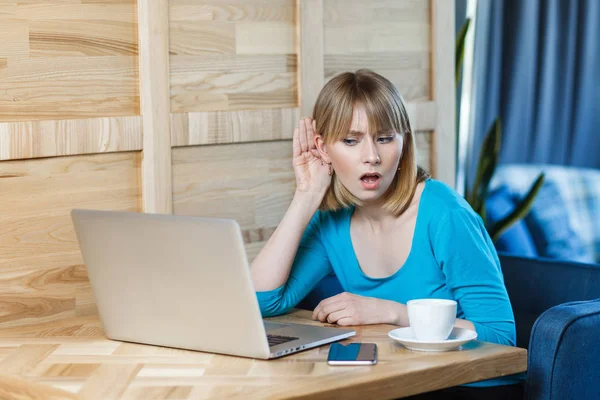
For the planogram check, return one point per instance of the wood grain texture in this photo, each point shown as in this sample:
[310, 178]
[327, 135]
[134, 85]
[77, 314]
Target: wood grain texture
[265, 37]
[155, 106]
[109, 11]
[8, 9]
[15, 39]
[250, 182]
[443, 87]
[231, 10]
[72, 88]
[85, 38]
[41, 271]
[90, 366]
[409, 71]
[207, 37]
[232, 55]
[68, 59]
[34, 139]
[311, 54]
[391, 37]
[376, 37]
[220, 90]
[233, 126]
[423, 142]
[422, 115]
[353, 11]
[13, 387]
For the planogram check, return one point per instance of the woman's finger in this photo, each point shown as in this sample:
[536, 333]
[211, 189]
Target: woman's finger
[334, 317]
[303, 143]
[330, 308]
[346, 321]
[296, 151]
[325, 303]
[310, 134]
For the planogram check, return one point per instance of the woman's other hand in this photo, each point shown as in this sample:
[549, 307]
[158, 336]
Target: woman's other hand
[312, 173]
[350, 309]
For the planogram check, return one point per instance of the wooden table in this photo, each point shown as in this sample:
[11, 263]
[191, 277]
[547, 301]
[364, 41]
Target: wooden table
[73, 359]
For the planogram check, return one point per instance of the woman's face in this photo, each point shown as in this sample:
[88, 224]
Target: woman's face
[365, 162]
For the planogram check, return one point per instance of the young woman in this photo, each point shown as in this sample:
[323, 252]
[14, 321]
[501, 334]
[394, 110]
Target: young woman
[364, 210]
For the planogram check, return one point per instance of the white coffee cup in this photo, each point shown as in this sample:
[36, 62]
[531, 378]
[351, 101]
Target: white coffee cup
[431, 320]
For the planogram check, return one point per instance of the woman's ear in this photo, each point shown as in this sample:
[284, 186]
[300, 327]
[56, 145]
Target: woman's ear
[322, 148]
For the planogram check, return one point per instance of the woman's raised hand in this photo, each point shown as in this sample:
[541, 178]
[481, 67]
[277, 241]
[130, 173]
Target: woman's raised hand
[312, 173]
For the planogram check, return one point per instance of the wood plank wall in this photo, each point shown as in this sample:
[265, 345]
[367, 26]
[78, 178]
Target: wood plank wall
[238, 75]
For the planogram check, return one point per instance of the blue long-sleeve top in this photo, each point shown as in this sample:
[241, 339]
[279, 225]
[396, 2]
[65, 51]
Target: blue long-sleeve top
[451, 257]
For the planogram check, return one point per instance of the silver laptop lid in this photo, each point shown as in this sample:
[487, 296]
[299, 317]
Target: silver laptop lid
[174, 281]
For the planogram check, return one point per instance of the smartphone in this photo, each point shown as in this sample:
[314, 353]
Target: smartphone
[352, 354]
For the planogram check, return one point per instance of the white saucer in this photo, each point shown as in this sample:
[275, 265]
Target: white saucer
[457, 338]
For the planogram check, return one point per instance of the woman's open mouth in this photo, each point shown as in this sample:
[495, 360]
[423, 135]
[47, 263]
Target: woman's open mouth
[370, 181]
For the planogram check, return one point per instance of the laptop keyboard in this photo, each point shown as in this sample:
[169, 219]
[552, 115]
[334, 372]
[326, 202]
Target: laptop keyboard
[275, 340]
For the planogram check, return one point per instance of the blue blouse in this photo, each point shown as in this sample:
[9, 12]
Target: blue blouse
[451, 257]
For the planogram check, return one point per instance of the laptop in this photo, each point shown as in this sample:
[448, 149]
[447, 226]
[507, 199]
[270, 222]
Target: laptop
[183, 282]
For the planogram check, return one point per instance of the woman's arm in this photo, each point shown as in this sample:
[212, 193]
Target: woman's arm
[293, 260]
[271, 267]
[309, 266]
[470, 263]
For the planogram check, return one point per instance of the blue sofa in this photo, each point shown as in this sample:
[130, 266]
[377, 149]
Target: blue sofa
[557, 314]
[564, 221]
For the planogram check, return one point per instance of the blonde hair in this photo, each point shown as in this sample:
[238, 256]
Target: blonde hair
[385, 112]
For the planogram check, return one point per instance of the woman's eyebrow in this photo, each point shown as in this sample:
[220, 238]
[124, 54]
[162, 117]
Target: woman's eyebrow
[360, 133]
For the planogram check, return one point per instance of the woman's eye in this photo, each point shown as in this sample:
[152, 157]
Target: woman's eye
[385, 139]
[350, 141]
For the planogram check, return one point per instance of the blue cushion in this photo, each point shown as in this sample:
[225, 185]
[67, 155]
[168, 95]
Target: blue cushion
[516, 239]
[551, 230]
[563, 353]
[535, 285]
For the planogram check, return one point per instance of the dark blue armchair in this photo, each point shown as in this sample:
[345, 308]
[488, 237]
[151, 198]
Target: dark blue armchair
[557, 314]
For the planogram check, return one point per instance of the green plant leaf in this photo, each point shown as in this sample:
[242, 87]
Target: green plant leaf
[520, 210]
[482, 213]
[459, 52]
[486, 165]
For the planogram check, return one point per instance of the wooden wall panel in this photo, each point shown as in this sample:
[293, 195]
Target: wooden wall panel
[233, 126]
[67, 59]
[391, 37]
[251, 182]
[232, 55]
[41, 272]
[444, 89]
[34, 139]
[424, 148]
[310, 58]
[155, 106]
[220, 127]
[8, 9]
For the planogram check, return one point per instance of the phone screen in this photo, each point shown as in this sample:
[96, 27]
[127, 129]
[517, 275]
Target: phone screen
[352, 354]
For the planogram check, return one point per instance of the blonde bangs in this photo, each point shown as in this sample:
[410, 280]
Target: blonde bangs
[335, 120]
[379, 118]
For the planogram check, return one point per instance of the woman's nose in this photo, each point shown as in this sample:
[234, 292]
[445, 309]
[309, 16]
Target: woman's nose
[371, 155]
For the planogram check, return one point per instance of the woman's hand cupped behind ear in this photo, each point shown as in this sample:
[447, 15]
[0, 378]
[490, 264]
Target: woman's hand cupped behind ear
[312, 173]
